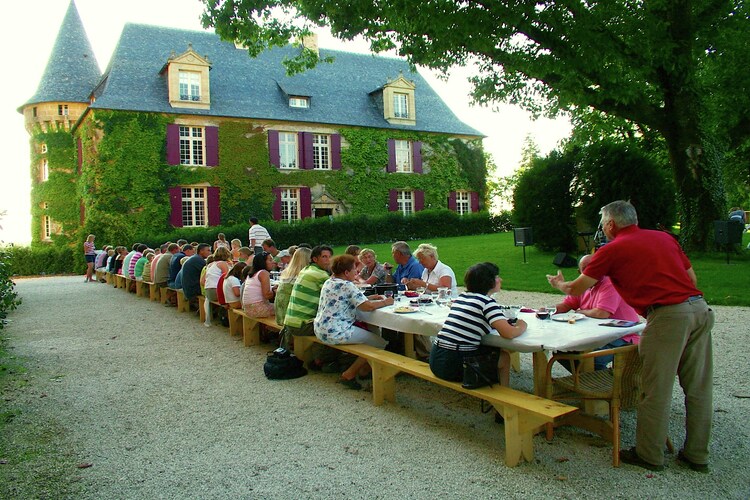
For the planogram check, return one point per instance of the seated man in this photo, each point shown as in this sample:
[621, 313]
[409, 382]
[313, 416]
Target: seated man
[407, 266]
[600, 301]
[191, 273]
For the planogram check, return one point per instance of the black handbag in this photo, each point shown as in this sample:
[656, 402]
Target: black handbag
[281, 364]
[480, 370]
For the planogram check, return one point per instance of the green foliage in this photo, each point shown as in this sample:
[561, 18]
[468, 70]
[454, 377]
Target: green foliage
[609, 171]
[59, 191]
[44, 259]
[653, 64]
[543, 200]
[9, 300]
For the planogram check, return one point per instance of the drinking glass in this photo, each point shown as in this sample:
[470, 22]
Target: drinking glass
[552, 310]
[388, 294]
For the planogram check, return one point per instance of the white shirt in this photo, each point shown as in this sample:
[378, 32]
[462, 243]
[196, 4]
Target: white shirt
[440, 270]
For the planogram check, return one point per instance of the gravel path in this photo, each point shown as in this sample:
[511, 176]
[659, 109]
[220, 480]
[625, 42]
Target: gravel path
[163, 407]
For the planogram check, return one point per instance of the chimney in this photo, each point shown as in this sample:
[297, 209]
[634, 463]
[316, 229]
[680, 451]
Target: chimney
[310, 42]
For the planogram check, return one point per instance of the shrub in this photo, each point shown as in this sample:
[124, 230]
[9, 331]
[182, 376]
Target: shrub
[8, 296]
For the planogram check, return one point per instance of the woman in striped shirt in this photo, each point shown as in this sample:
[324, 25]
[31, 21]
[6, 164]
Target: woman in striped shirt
[473, 315]
[89, 253]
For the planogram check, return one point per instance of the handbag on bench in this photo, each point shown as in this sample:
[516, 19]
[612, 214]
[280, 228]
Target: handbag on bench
[480, 370]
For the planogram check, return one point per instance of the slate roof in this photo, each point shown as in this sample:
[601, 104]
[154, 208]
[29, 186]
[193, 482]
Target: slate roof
[244, 87]
[72, 70]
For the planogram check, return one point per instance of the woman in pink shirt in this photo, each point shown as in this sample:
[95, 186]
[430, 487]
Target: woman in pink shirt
[89, 253]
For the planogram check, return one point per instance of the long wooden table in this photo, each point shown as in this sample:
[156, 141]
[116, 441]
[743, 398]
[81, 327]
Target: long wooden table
[540, 336]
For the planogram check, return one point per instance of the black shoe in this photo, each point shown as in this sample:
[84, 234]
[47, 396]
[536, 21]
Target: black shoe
[350, 384]
[499, 418]
[632, 458]
[693, 466]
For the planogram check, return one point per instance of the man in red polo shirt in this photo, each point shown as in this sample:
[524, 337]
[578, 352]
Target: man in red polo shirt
[653, 275]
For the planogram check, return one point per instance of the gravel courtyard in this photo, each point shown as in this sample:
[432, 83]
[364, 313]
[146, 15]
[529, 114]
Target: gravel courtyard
[145, 402]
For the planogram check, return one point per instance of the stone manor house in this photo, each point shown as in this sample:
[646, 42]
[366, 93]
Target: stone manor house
[186, 130]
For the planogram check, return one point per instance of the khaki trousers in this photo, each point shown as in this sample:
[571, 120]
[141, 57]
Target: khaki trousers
[676, 341]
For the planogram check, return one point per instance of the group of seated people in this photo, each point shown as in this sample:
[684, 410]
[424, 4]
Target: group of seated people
[314, 293]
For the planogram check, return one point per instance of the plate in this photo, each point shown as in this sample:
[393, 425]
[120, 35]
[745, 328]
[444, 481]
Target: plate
[404, 310]
[564, 317]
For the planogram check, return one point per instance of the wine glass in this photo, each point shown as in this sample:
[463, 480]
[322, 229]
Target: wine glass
[542, 313]
[552, 310]
[388, 294]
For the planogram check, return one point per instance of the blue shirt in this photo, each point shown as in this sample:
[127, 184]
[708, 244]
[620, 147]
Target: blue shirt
[412, 269]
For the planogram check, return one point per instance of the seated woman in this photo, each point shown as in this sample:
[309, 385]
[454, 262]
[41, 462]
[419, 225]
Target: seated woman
[354, 251]
[334, 322]
[257, 293]
[210, 281]
[286, 282]
[372, 272]
[236, 245]
[221, 242]
[473, 315]
[435, 274]
[232, 285]
[146, 271]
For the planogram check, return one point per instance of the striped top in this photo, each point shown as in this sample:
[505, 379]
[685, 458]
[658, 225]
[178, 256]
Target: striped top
[89, 248]
[303, 303]
[470, 318]
[131, 265]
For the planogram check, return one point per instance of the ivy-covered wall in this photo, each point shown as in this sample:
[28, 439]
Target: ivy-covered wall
[59, 191]
[125, 177]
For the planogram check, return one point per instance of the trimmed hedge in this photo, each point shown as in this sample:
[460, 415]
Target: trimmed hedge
[344, 230]
[8, 296]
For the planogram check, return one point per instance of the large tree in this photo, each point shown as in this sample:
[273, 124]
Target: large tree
[638, 60]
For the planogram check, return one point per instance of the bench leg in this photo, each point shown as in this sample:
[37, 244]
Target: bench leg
[250, 331]
[201, 308]
[164, 295]
[235, 322]
[409, 346]
[182, 304]
[139, 288]
[383, 383]
[153, 292]
[302, 348]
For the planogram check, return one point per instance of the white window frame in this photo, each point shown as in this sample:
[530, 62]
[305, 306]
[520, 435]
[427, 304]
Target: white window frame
[288, 150]
[400, 105]
[44, 148]
[463, 202]
[45, 170]
[192, 145]
[290, 204]
[321, 151]
[405, 201]
[194, 209]
[62, 110]
[47, 223]
[299, 102]
[403, 154]
[190, 81]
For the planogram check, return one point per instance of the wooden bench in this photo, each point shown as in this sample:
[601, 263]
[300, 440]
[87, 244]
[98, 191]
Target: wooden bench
[182, 303]
[119, 281]
[99, 275]
[153, 291]
[202, 307]
[249, 326]
[128, 283]
[525, 414]
[140, 290]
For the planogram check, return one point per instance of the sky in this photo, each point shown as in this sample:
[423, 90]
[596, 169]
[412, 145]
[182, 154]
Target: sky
[29, 35]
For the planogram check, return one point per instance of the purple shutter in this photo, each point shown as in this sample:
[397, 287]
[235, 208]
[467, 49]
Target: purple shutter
[273, 148]
[173, 146]
[214, 209]
[391, 156]
[307, 147]
[452, 201]
[276, 203]
[79, 147]
[392, 200]
[418, 200]
[175, 199]
[300, 150]
[305, 203]
[474, 201]
[335, 152]
[416, 156]
[212, 146]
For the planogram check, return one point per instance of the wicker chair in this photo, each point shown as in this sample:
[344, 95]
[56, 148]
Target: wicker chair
[619, 385]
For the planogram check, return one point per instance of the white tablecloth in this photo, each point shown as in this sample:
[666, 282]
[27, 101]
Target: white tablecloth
[585, 334]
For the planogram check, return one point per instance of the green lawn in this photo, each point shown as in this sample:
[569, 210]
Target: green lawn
[721, 283]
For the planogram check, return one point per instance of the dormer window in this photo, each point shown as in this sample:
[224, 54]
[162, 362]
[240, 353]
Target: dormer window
[398, 102]
[400, 105]
[299, 102]
[190, 86]
[62, 109]
[187, 80]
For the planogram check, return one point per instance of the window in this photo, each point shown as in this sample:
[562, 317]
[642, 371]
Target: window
[48, 225]
[463, 202]
[191, 145]
[299, 102]
[321, 152]
[45, 170]
[44, 148]
[62, 109]
[33, 111]
[193, 207]
[190, 86]
[405, 200]
[403, 156]
[290, 206]
[400, 105]
[287, 150]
